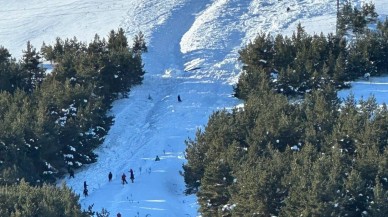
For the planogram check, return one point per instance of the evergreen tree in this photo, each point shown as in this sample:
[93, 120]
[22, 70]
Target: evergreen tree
[51, 123]
[8, 70]
[139, 44]
[32, 73]
[47, 52]
[117, 40]
[340, 70]
[313, 157]
[369, 11]
[214, 194]
[46, 201]
[359, 22]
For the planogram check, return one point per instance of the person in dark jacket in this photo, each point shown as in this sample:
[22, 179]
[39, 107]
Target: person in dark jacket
[110, 176]
[132, 176]
[85, 185]
[85, 192]
[123, 179]
[179, 98]
[71, 173]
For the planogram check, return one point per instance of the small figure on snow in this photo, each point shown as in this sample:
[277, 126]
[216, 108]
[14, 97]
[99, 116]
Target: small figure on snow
[288, 9]
[179, 98]
[123, 179]
[85, 192]
[149, 97]
[85, 185]
[110, 176]
[132, 176]
[118, 214]
[71, 173]
[367, 76]
[157, 158]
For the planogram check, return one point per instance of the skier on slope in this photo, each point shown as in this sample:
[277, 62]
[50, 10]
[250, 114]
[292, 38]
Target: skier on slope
[110, 176]
[132, 176]
[85, 192]
[71, 173]
[85, 189]
[123, 179]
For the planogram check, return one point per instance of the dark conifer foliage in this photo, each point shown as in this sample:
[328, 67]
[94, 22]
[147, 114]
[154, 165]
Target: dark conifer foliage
[8, 71]
[139, 44]
[301, 63]
[45, 201]
[313, 158]
[354, 20]
[52, 123]
[307, 156]
[32, 72]
[26, 75]
[117, 40]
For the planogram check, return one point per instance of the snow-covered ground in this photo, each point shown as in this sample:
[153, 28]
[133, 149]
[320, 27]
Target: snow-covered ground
[193, 50]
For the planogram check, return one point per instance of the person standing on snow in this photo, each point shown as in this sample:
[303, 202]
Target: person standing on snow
[110, 176]
[132, 176]
[71, 173]
[85, 189]
[123, 179]
[85, 192]
[179, 98]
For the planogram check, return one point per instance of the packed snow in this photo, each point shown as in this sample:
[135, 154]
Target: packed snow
[193, 50]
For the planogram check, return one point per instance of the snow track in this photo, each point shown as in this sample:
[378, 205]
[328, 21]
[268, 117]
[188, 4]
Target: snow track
[193, 51]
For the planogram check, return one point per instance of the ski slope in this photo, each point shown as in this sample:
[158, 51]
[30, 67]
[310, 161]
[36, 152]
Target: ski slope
[193, 50]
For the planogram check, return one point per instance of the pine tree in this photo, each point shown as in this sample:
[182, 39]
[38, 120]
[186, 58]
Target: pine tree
[344, 19]
[117, 40]
[7, 70]
[369, 11]
[139, 44]
[340, 70]
[32, 73]
[47, 52]
[378, 207]
[25, 200]
[359, 22]
[213, 194]
[284, 52]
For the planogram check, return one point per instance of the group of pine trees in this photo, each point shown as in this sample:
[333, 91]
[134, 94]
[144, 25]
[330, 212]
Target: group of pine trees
[355, 20]
[303, 62]
[273, 158]
[50, 122]
[24, 200]
[313, 157]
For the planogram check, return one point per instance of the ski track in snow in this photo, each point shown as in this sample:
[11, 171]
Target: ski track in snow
[193, 51]
[152, 127]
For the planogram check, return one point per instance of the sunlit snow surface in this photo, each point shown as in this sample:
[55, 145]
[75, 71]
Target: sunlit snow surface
[193, 50]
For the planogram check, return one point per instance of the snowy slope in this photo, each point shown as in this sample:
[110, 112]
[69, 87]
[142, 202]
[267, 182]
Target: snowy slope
[193, 47]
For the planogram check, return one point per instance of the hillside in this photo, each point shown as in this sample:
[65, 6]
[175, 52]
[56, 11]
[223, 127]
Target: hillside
[193, 51]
